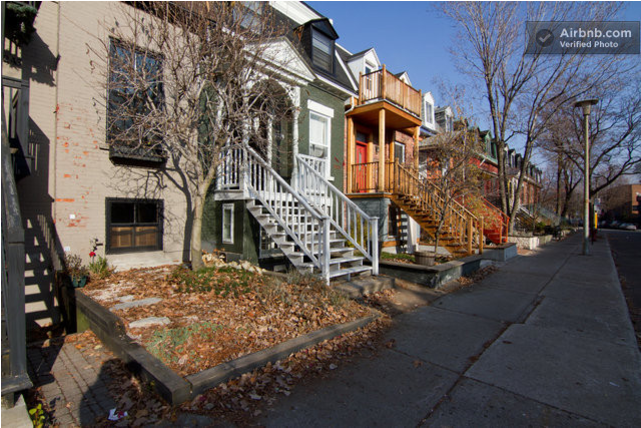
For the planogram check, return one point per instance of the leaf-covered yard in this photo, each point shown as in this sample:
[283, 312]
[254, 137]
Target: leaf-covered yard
[219, 314]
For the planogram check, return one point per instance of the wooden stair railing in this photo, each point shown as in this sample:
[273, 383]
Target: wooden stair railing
[495, 222]
[424, 202]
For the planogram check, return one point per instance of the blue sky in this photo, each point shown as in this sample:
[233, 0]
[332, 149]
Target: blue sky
[408, 36]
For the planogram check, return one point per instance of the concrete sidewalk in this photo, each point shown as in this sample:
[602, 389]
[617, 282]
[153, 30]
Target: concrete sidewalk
[545, 341]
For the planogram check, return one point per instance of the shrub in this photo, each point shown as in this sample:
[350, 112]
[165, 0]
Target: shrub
[99, 268]
[223, 281]
[74, 267]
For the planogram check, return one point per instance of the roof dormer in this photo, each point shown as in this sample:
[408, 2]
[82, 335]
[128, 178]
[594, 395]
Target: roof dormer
[318, 38]
[363, 62]
[428, 111]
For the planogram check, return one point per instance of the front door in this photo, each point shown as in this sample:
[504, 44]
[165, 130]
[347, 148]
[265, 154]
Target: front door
[360, 173]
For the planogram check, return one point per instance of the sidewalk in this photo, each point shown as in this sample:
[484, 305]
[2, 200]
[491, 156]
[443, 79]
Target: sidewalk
[545, 341]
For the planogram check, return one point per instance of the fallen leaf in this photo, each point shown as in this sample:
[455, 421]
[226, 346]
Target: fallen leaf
[417, 363]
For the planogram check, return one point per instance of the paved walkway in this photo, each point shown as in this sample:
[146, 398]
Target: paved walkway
[72, 382]
[545, 341]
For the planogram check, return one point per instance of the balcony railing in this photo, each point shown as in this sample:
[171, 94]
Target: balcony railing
[385, 86]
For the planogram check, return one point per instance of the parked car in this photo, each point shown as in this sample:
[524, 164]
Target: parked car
[628, 226]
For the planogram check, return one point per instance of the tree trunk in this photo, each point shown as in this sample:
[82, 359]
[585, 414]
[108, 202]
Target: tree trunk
[196, 233]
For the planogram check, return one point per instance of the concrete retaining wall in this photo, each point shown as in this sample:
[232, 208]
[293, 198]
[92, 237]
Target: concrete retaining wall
[529, 242]
[436, 276]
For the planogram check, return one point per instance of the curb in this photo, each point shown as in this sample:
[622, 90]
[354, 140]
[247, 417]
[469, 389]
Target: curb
[169, 385]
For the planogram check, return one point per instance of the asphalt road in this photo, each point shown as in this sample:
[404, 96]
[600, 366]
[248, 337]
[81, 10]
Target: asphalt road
[626, 250]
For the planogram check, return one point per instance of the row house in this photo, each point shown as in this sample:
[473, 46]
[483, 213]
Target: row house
[483, 205]
[532, 181]
[299, 218]
[384, 125]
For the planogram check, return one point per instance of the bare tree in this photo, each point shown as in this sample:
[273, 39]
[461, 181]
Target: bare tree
[615, 137]
[183, 80]
[567, 176]
[451, 168]
[523, 91]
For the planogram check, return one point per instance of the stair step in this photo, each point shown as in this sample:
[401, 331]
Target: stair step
[350, 271]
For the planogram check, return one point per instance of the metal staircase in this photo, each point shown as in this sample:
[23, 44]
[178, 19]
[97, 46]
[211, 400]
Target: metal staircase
[305, 232]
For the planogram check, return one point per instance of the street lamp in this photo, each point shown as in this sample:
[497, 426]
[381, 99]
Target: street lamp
[586, 105]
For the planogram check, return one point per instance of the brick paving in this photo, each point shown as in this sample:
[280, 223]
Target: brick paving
[72, 381]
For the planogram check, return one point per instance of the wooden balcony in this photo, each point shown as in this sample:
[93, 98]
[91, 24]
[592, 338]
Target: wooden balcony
[383, 90]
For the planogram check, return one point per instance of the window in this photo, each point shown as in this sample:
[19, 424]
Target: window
[449, 125]
[134, 225]
[228, 223]
[135, 88]
[322, 51]
[250, 14]
[399, 152]
[428, 113]
[319, 137]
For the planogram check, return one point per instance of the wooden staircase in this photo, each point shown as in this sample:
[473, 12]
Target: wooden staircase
[424, 202]
[495, 222]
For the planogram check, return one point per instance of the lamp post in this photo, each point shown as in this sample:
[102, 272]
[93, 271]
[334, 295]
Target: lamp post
[586, 105]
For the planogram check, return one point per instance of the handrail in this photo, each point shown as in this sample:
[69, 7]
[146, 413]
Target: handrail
[278, 197]
[13, 267]
[460, 222]
[348, 218]
[319, 165]
[503, 219]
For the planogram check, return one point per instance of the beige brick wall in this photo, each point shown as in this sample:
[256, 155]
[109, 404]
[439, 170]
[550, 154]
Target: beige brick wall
[75, 174]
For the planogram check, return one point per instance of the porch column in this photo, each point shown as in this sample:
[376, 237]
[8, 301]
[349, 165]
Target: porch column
[295, 137]
[350, 152]
[381, 151]
[416, 151]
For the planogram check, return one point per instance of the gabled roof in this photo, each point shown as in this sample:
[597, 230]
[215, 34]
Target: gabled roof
[404, 74]
[290, 62]
[363, 53]
[324, 25]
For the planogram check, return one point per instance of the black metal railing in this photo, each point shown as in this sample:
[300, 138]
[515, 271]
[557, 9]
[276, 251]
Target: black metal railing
[14, 351]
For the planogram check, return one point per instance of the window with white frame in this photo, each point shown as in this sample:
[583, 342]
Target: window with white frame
[228, 223]
[320, 125]
[428, 112]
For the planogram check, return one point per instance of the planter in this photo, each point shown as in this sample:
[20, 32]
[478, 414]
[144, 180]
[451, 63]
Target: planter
[424, 258]
[79, 282]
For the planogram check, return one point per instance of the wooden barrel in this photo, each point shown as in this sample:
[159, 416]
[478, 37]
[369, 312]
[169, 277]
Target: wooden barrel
[424, 258]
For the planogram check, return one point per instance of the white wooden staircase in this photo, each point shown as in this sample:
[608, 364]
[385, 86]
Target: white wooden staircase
[316, 227]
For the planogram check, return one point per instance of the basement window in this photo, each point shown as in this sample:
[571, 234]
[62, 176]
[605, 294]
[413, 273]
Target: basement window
[134, 225]
[228, 223]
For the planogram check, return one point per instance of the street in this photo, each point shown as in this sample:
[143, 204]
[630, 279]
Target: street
[626, 252]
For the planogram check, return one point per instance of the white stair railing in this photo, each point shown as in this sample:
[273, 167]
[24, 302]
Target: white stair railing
[351, 221]
[308, 228]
